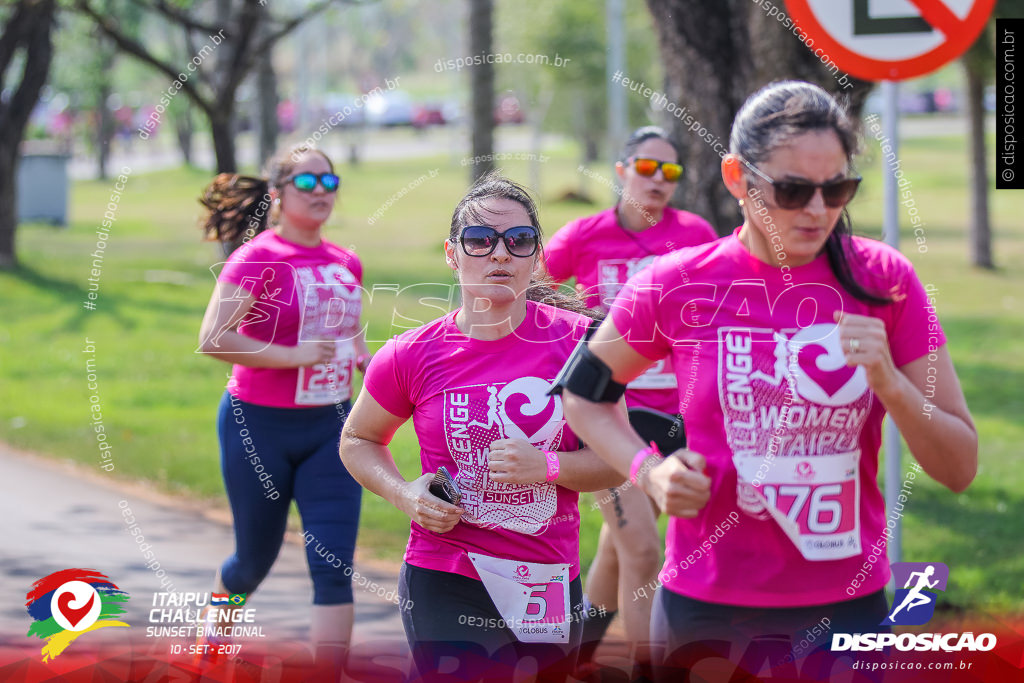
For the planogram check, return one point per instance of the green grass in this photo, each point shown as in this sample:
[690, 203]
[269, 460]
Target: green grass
[159, 397]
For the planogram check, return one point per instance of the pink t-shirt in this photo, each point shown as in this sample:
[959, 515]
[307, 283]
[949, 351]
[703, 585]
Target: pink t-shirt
[464, 393]
[768, 399]
[602, 255]
[302, 294]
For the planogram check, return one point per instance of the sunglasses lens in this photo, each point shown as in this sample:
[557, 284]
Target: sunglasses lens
[672, 172]
[304, 182]
[479, 240]
[521, 241]
[330, 181]
[840, 193]
[646, 167]
[793, 195]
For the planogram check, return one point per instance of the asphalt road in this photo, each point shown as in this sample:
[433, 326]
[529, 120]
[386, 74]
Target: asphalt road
[57, 516]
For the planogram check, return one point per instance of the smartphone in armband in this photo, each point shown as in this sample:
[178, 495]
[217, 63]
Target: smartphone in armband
[444, 487]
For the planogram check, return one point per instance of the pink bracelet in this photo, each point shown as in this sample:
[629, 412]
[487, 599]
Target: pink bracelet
[553, 465]
[640, 458]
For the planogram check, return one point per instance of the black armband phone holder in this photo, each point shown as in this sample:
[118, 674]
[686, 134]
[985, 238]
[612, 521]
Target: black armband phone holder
[586, 375]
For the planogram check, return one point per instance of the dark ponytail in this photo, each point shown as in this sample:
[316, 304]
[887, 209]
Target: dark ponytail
[239, 205]
[771, 118]
[468, 212]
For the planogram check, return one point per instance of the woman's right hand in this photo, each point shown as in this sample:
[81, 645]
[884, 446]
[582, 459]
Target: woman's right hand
[426, 509]
[312, 353]
[678, 484]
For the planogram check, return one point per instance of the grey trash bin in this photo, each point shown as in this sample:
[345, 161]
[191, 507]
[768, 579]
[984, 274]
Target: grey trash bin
[43, 183]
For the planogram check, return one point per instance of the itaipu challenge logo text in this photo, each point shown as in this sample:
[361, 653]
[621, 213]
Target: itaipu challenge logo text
[70, 603]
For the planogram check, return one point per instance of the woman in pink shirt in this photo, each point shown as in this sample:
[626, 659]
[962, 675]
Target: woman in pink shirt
[285, 314]
[602, 252]
[791, 339]
[493, 576]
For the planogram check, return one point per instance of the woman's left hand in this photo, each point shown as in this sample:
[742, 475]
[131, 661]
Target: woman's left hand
[515, 461]
[865, 343]
[362, 362]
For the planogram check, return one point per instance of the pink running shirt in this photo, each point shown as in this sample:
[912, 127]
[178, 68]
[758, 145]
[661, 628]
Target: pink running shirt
[764, 386]
[464, 393]
[602, 255]
[307, 293]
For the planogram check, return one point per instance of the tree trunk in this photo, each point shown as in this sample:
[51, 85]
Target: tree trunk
[222, 128]
[980, 226]
[28, 35]
[266, 92]
[105, 126]
[8, 201]
[481, 24]
[183, 130]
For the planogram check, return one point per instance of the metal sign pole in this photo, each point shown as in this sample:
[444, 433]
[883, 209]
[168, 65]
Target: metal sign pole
[891, 235]
[616, 61]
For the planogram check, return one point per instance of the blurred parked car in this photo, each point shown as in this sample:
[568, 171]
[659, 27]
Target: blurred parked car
[424, 115]
[390, 108]
[335, 106]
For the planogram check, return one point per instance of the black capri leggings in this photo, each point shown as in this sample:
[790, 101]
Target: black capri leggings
[443, 625]
[753, 636]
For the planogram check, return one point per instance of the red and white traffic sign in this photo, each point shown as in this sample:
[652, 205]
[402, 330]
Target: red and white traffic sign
[891, 39]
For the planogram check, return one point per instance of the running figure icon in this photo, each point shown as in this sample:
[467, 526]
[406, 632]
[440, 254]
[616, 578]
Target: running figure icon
[915, 597]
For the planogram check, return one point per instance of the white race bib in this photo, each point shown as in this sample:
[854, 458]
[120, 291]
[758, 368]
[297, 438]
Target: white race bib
[532, 598]
[326, 383]
[658, 376]
[815, 501]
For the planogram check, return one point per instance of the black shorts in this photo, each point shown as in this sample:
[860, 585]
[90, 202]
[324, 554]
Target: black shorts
[456, 633]
[692, 630]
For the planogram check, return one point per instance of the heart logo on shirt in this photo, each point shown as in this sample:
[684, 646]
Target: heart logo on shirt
[527, 412]
[822, 375]
[831, 381]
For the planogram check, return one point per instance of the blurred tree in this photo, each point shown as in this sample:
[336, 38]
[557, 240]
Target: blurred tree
[481, 43]
[239, 33]
[715, 54]
[570, 96]
[266, 95]
[979, 64]
[86, 72]
[26, 50]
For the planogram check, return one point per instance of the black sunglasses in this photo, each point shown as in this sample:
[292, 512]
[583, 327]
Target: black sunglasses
[480, 240]
[306, 182]
[795, 194]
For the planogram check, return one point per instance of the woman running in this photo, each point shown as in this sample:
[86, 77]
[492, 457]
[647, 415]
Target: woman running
[492, 577]
[285, 313]
[602, 252]
[799, 338]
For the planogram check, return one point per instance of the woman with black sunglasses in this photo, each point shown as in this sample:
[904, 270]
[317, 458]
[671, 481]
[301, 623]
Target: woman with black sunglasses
[492, 575]
[285, 312]
[602, 252]
[799, 338]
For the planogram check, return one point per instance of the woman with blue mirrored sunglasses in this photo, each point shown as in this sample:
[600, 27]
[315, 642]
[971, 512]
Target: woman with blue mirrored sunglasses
[307, 182]
[274, 317]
